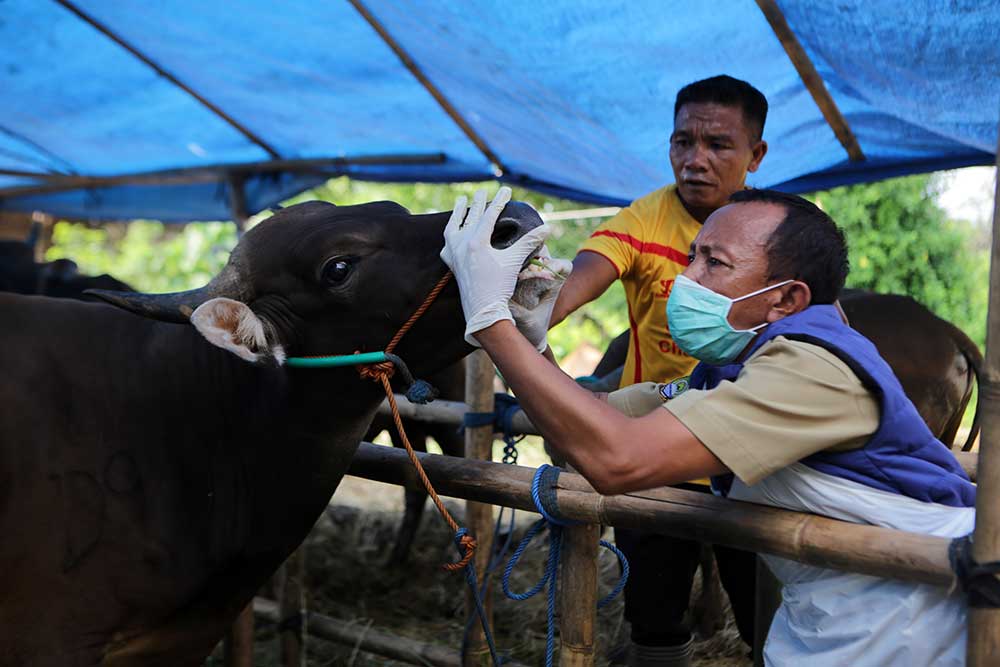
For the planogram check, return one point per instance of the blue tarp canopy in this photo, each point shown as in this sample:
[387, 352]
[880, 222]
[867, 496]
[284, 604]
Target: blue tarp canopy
[120, 110]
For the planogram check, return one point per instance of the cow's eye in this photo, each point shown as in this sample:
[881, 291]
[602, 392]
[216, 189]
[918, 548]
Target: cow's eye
[336, 270]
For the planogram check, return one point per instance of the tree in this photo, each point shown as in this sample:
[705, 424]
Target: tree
[901, 242]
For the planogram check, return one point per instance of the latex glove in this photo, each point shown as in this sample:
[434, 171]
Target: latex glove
[486, 276]
[535, 297]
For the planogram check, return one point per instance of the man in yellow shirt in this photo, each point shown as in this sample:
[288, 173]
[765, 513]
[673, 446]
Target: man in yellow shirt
[716, 141]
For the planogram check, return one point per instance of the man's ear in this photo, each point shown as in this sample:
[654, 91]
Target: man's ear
[758, 151]
[232, 326]
[794, 298]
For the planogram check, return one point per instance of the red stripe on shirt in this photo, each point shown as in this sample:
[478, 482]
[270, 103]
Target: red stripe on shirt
[672, 254]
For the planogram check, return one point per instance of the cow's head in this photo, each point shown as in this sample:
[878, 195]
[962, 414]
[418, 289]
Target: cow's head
[319, 279]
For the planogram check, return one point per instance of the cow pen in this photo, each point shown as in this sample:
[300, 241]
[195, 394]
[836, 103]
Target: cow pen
[806, 538]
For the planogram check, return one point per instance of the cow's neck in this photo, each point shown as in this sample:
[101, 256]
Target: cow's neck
[293, 431]
[252, 453]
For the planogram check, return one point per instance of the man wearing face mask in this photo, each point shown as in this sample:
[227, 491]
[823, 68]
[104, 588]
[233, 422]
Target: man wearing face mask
[788, 407]
[715, 143]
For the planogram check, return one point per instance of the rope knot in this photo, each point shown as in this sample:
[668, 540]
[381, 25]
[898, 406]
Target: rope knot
[463, 540]
[377, 371]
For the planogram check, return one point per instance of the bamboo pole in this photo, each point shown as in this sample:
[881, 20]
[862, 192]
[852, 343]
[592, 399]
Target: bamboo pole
[370, 639]
[816, 540]
[238, 202]
[431, 87]
[984, 624]
[578, 595]
[59, 182]
[452, 412]
[811, 79]
[479, 517]
[239, 640]
[169, 76]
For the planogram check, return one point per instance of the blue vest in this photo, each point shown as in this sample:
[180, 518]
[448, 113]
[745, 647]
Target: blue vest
[902, 456]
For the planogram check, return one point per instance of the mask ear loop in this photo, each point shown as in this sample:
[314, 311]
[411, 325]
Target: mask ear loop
[761, 291]
[764, 289]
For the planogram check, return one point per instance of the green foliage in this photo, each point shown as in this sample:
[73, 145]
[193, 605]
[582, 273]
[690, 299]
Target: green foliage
[902, 242]
[149, 256]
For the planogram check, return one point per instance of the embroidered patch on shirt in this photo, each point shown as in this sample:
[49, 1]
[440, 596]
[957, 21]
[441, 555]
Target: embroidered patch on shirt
[673, 389]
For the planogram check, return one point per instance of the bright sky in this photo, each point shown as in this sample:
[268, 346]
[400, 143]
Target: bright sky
[967, 194]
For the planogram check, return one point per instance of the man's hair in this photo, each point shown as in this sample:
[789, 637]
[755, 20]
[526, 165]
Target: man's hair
[807, 245]
[730, 92]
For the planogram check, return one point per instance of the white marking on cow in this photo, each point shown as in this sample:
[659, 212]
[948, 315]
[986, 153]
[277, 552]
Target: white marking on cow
[231, 325]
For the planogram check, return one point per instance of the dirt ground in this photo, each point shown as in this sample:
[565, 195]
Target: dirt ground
[349, 580]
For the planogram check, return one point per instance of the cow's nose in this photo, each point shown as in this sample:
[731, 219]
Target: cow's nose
[516, 220]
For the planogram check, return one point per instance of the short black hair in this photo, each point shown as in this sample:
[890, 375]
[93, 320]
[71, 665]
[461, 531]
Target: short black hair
[807, 245]
[730, 92]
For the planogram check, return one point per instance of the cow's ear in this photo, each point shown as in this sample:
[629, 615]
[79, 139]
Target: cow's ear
[233, 326]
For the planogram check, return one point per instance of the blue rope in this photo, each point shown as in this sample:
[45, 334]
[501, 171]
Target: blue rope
[477, 597]
[623, 561]
[505, 407]
[543, 494]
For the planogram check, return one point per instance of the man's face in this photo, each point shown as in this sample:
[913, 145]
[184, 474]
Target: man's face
[729, 256]
[711, 151]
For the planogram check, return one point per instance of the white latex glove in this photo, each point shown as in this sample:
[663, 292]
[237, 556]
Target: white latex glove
[486, 276]
[535, 297]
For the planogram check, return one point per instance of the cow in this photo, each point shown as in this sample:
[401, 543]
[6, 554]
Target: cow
[60, 278]
[159, 459]
[937, 364]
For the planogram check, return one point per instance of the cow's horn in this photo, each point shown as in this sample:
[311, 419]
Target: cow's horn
[178, 306]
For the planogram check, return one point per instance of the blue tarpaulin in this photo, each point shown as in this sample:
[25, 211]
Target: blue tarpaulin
[571, 97]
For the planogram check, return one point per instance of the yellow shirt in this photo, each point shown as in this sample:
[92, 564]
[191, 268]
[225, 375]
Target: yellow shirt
[648, 244]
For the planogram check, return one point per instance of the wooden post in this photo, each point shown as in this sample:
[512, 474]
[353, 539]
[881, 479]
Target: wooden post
[478, 516]
[239, 640]
[238, 202]
[293, 610]
[765, 605]
[578, 595]
[984, 624]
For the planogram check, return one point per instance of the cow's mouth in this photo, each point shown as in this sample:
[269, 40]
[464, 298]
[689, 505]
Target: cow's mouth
[541, 275]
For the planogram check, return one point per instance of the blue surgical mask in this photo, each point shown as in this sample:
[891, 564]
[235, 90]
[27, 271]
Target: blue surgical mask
[699, 322]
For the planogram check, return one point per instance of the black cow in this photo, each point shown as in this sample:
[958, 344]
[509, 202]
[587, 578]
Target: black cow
[59, 278]
[153, 474]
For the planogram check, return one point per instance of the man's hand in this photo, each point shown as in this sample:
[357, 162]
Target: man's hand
[486, 276]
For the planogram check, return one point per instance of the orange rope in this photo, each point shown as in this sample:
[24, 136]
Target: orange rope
[419, 311]
[382, 372]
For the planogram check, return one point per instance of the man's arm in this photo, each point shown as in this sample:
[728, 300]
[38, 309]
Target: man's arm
[592, 275]
[615, 453]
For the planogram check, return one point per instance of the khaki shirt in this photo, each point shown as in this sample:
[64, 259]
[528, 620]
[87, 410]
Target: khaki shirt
[791, 400]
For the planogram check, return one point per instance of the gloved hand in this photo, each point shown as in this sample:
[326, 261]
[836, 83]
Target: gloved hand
[485, 275]
[535, 297]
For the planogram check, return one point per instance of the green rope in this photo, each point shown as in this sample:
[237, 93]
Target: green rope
[337, 360]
